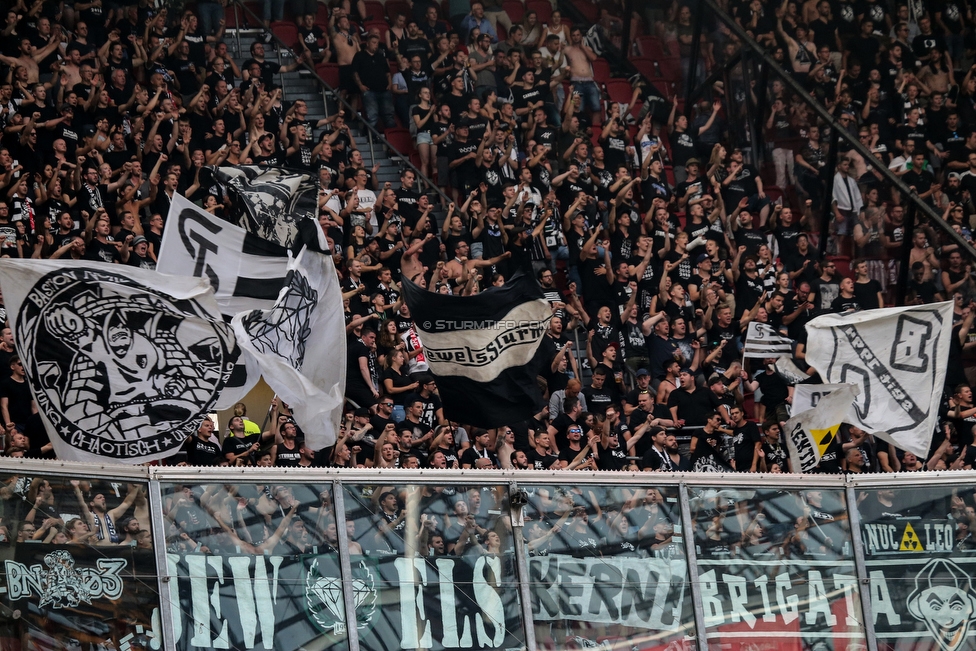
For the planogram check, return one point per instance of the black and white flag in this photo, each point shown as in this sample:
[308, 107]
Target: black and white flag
[482, 349]
[762, 341]
[300, 345]
[278, 205]
[123, 363]
[897, 357]
[245, 271]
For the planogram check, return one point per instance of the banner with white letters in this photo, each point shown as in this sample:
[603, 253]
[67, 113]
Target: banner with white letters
[897, 356]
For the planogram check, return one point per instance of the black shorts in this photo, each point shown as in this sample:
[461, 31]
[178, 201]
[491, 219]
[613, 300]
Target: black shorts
[347, 81]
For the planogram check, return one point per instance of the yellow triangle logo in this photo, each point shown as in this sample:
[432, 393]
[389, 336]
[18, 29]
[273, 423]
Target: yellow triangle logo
[910, 541]
[823, 437]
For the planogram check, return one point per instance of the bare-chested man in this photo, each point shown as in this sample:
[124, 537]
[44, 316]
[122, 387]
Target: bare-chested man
[30, 56]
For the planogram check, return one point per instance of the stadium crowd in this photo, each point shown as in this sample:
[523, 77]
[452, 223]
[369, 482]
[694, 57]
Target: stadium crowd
[655, 237]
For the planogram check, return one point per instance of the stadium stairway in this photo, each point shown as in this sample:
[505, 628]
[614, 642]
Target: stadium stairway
[322, 103]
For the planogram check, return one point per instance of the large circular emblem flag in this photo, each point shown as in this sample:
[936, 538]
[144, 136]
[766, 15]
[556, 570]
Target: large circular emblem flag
[119, 368]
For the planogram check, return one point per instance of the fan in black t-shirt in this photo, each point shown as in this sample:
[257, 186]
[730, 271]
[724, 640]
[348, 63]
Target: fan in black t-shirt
[200, 449]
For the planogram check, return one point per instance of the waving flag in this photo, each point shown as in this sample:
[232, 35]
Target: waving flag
[300, 345]
[763, 341]
[809, 433]
[482, 349]
[897, 357]
[277, 205]
[123, 363]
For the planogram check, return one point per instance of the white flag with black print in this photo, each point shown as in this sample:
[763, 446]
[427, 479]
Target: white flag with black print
[483, 349]
[276, 204]
[809, 433]
[123, 363]
[245, 271]
[762, 341]
[300, 345]
[897, 357]
[808, 396]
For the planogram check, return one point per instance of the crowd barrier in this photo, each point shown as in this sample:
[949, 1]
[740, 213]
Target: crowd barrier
[381, 560]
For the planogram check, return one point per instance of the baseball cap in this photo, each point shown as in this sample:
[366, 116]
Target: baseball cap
[139, 239]
[641, 372]
[954, 175]
[713, 378]
[701, 258]
[685, 369]
[692, 161]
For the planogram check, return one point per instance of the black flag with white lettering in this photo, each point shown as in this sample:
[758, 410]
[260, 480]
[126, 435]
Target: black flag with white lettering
[483, 349]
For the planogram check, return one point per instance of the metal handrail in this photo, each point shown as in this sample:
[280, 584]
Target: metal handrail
[372, 131]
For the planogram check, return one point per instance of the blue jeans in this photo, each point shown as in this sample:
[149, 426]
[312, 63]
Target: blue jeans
[376, 102]
[210, 13]
[274, 10]
[589, 95]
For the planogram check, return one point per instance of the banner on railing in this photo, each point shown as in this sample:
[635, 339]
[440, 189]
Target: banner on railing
[645, 593]
[98, 597]
[796, 602]
[286, 602]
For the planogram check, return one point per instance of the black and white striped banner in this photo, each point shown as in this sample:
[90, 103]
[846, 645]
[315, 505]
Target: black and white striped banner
[763, 341]
[245, 271]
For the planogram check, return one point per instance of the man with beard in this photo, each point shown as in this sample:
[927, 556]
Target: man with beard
[129, 528]
[657, 458]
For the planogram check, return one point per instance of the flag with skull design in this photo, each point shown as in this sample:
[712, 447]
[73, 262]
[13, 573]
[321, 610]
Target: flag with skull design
[123, 363]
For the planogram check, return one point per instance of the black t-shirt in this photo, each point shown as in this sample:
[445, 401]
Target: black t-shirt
[656, 460]
[18, 397]
[774, 388]
[100, 252]
[612, 458]
[541, 461]
[399, 381]
[354, 375]
[842, 304]
[471, 456]
[287, 458]
[744, 441]
[202, 452]
[693, 406]
[866, 294]
[268, 70]
[239, 444]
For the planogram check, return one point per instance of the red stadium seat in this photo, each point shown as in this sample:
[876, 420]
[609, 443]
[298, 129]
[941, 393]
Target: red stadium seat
[329, 72]
[670, 68]
[651, 46]
[286, 31]
[646, 66]
[601, 71]
[374, 10]
[233, 17]
[619, 90]
[398, 7]
[322, 15]
[589, 10]
[400, 140]
[515, 10]
[542, 9]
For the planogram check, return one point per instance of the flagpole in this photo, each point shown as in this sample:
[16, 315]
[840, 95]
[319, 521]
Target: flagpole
[264, 425]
